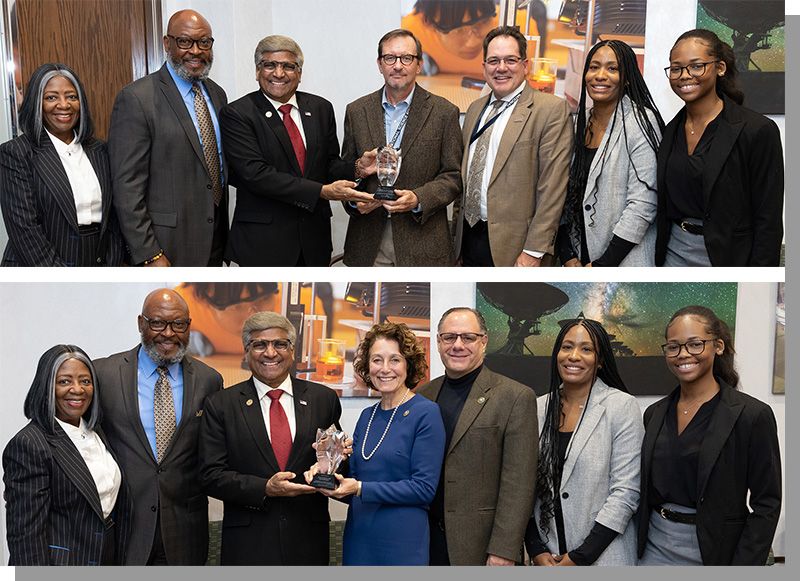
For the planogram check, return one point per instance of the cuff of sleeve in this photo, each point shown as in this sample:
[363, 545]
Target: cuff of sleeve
[534, 253]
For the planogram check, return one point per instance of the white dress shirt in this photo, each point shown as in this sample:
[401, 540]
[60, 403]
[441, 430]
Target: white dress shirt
[82, 179]
[498, 129]
[286, 400]
[295, 114]
[104, 470]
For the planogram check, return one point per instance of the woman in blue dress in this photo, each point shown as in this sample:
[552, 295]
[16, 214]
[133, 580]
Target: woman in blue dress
[398, 448]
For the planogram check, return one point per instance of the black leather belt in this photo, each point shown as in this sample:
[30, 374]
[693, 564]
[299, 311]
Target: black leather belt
[681, 517]
[689, 227]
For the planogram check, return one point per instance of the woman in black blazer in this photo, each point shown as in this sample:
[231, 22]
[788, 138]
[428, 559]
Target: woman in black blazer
[720, 166]
[706, 447]
[65, 500]
[56, 180]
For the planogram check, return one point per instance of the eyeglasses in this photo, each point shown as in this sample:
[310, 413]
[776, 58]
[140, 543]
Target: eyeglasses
[390, 59]
[185, 43]
[511, 61]
[693, 347]
[270, 66]
[466, 338]
[694, 69]
[157, 325]
[261, 345]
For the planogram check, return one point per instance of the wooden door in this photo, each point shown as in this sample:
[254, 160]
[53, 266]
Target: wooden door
[108, 43]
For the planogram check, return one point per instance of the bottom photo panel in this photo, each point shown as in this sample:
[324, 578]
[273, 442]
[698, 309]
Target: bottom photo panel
[393, 423]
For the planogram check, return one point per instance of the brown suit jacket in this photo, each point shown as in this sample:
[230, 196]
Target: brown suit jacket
[431, 153]
[489, 469]
[529, 177]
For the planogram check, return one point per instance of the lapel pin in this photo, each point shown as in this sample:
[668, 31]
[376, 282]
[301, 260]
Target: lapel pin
[198, 414]
[307, 113]
[481, 399]
[405, 413]
[249, 402]
[268, 114]
[303, 402]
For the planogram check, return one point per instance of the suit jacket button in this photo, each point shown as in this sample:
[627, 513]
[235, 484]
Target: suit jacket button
[208, 186]
[153, 508]
[210, 220]
[565, 495]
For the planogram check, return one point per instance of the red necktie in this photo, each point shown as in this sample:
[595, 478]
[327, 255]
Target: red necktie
[280, 434]
[294, 136]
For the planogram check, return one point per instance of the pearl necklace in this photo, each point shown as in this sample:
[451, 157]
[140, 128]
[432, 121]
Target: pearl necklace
[364, 454]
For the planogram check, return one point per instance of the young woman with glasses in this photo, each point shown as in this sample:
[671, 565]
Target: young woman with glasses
[610, 210]
[587, 484]
[711, 468]
[720, 166]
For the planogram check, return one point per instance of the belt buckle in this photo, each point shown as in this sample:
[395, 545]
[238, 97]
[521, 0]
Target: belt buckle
[685, 229]
[663, 512]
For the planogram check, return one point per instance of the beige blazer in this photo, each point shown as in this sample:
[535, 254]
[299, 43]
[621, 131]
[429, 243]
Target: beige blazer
[528, 182]
[489, 469]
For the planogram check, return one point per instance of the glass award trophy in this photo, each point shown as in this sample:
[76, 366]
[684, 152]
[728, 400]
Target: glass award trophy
[388, 169]
[330, 453]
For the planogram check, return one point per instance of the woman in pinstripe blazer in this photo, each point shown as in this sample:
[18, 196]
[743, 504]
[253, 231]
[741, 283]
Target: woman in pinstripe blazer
[65, 499]
[56, 181]
[587, 485]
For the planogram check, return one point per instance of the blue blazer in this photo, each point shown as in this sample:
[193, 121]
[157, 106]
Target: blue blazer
[39, 207]
[53, 511]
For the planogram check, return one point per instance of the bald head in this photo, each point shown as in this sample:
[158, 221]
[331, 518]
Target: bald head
[164, 308]
[186, 18]
[192, 63]
[165, 298]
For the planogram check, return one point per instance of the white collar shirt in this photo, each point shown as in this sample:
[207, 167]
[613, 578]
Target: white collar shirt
[82, 179]
[286, 400]
[104, 470]
[294, 113]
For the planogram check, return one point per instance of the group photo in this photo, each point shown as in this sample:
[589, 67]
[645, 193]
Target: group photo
[129, 448]
[576, 136]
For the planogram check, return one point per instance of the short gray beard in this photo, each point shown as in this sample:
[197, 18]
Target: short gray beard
[181, 71]
[150, 349]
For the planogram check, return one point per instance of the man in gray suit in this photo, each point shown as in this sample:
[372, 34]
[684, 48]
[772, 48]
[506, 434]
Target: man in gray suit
[411, 230]
[486, 491]
[152, 401]
[169, 179]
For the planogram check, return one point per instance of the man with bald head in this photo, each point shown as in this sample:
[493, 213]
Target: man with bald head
[168, 170]
[153, 397]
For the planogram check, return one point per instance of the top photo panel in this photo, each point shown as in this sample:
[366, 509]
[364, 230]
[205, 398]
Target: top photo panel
[396, 133]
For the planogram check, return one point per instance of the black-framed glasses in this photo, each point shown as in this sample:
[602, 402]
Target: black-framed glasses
[695, 70]
[511, 61]
[466, 338]
[261, 345]
[287, 66]
[157, 325]
[185, 43]
[406, 59]
[693, 347]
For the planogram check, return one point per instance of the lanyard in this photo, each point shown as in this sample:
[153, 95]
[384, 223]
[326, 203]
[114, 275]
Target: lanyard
[400, 127]
[476, 133]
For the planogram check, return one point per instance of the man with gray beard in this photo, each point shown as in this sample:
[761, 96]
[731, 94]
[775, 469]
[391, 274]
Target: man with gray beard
[152, 400]
[168, 171]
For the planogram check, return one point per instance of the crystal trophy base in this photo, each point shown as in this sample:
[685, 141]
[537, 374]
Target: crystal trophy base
[385, 193]
[326, 481]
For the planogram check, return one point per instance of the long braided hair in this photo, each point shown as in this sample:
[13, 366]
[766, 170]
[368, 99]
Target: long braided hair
[631, 84]
[548, 474]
